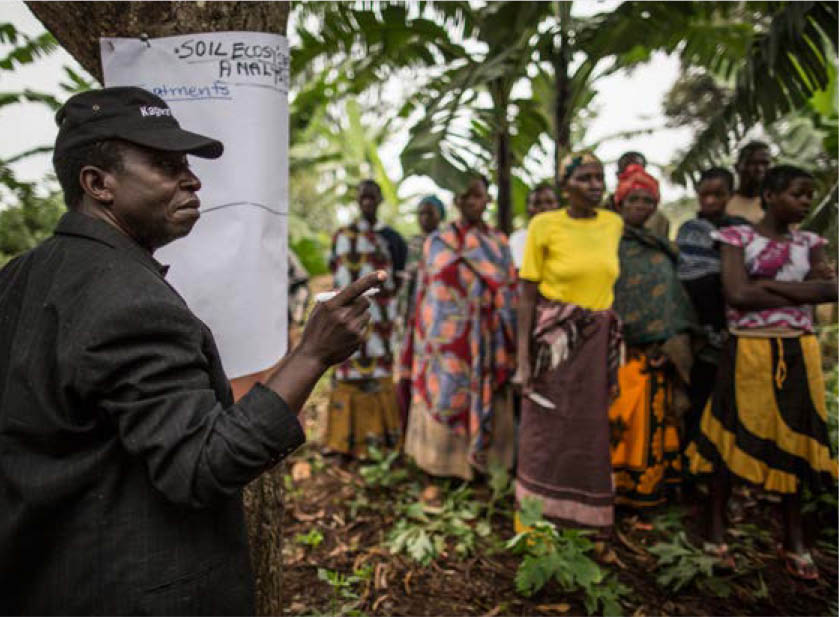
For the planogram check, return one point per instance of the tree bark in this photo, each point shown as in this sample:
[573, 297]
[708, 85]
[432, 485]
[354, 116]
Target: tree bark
[562, 118]
[503, 158]
[505, 191]
[78, 26]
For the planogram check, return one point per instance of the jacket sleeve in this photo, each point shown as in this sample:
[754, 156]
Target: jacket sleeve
[144, 364]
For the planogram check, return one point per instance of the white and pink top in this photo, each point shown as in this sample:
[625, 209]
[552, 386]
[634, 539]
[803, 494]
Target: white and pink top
[780, 260]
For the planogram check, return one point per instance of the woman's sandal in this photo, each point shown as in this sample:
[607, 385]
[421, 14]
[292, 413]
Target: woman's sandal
[721, 552]
[799, 565]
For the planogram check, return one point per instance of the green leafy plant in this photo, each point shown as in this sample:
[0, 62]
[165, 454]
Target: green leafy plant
[670, 521]
[289, 489]
[501, 487]
[360, 502]
[380, 472]
[313, 538]
[681, 564]
[562, 556]
[345, 599]
[424, 532]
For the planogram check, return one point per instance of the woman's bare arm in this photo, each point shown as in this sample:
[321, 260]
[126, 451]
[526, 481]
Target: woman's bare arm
[741, 292]
[526, 312]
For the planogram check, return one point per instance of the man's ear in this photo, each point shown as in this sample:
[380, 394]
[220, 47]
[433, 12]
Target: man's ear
[97, 184]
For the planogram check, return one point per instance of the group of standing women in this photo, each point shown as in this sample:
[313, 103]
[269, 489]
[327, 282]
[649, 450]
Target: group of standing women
[612, 337]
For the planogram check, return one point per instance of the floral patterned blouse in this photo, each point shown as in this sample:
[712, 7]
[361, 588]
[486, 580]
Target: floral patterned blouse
[785, 260]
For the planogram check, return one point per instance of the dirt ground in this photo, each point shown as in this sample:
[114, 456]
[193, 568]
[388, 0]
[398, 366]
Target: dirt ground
[321, 496]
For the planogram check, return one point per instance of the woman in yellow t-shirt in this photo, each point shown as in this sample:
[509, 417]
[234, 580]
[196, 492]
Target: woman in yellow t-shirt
[569, 351]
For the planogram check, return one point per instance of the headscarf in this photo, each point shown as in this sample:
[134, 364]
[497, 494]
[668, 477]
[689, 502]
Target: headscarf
[572, 160]
[635, 177]
[438, 205]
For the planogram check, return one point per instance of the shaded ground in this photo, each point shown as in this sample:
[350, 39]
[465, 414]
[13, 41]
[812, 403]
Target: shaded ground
[354, 520]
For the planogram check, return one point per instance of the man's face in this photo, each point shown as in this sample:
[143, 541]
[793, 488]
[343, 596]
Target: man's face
[369, 198]
[713, 194]
[154, 196]
[753, 168]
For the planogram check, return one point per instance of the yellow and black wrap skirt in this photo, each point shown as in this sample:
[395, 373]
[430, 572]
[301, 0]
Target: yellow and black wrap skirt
[767, 420]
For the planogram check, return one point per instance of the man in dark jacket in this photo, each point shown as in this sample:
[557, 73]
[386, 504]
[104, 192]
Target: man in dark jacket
[122, 453]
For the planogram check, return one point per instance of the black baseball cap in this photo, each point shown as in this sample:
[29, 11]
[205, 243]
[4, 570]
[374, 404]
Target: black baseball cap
[132, 114]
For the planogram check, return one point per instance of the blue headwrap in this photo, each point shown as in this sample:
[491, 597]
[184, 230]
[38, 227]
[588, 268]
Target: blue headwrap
[432, 199]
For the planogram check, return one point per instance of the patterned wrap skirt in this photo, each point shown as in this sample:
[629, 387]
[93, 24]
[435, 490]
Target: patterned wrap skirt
[644, 436]
[363, 413]
[563, 454]
[440, 451]
[767, 420]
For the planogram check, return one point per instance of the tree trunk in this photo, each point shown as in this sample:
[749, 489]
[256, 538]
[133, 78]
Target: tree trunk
[503, 159]
[77, 26]
[505, 191]
[562, 117]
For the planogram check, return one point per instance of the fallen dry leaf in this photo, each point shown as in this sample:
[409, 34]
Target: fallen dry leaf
[406, 582]
[340, 473]
[301, 470]
[380, 576]
[431, 495]
[339, 550]
[304, 518]
[359, 560]
[562, 607]
[630, 545]
[378, 602]
[494, 611]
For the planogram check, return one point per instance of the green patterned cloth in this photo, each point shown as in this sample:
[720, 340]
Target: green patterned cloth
[649, 297]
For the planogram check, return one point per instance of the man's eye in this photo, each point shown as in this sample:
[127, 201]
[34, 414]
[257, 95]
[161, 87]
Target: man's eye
[173, 165]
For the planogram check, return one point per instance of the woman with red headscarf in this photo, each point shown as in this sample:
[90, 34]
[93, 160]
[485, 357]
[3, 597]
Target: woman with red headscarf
[657, 317]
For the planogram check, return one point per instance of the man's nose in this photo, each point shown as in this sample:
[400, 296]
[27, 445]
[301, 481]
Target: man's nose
[191, 181]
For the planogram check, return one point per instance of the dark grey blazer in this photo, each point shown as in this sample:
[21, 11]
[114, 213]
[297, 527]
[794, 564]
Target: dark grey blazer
[122, 454]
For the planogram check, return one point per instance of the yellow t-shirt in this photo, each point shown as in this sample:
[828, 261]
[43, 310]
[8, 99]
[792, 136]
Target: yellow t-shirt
[574, 260]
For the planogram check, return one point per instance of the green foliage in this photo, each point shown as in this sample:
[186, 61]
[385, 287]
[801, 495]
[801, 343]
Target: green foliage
[424, 532]
[670, 521]
[562, 556]
[27, 214]
[681, 564]
[28, 221]
[313, 538]
[450, 102]
[26, 49]
[380, 473]
[328, 157]
[345, 598]
[502, 489]
[784, 67]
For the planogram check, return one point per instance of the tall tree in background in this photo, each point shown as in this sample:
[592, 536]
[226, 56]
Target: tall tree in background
[471, 108]
[77, 26]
